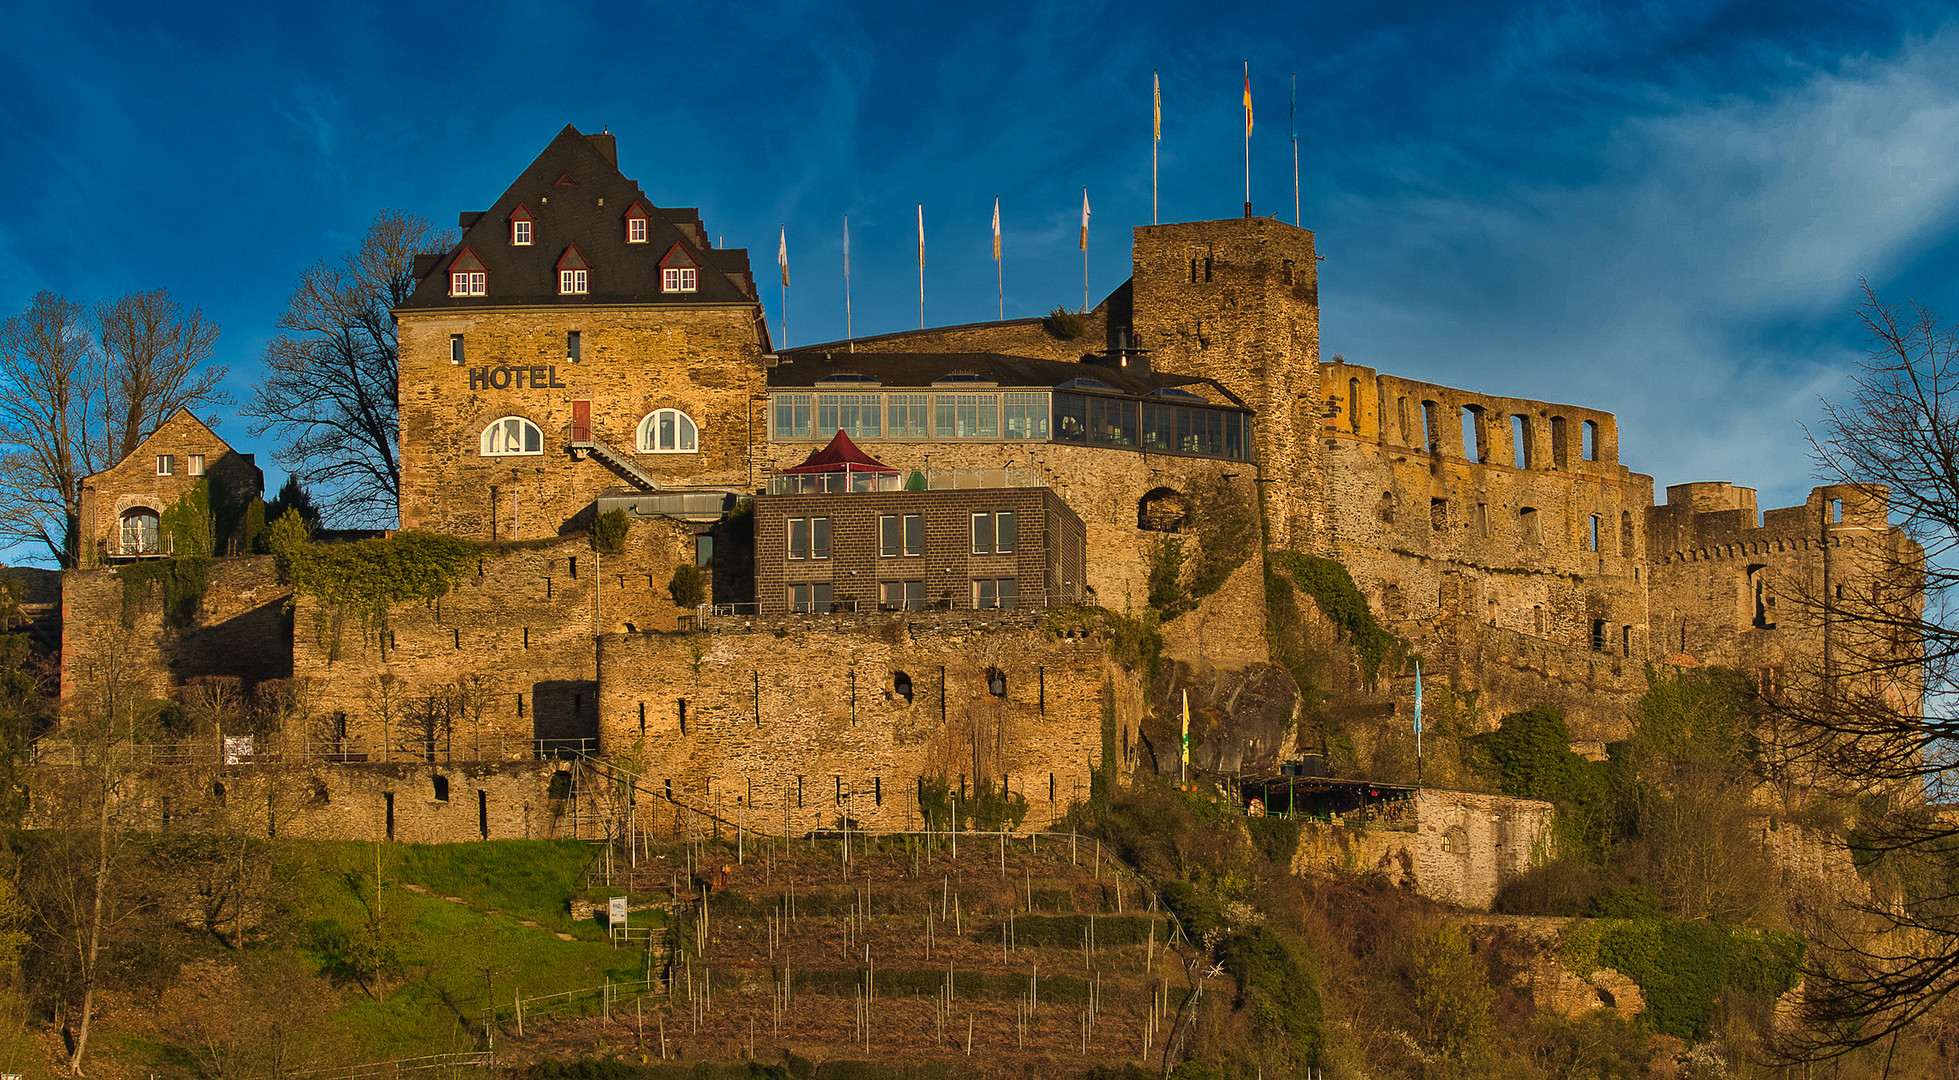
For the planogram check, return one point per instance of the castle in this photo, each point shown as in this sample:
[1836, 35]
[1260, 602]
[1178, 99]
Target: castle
[891, 527]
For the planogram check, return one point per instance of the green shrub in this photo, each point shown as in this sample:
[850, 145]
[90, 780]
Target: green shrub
[609, 532]
[1274, 981]
[179, 583]
[688, 587]
[987, 809]
[1066, 325]
[1166, 573]
[1682, 967]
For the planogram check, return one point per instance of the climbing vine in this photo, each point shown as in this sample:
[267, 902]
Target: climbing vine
[1333, 589]
[365, 577]
[180, 584]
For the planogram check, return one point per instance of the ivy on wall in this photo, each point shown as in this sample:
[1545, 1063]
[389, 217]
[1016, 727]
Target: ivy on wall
[179, 583]
[1333, 589]
[1682, 967]
[364, 578]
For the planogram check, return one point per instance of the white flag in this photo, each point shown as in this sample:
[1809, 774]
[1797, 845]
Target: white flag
[1084, 219]
[782, 256]
[846, 245]
[996, 228]
[921, 234]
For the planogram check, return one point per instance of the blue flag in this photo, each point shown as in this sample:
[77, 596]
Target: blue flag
[1418, 697]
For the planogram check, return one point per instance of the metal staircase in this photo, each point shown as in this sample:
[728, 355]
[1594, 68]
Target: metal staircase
[584, 442]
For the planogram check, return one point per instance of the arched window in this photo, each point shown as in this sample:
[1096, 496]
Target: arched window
[668, 431]
[512, 435]
[139, 531]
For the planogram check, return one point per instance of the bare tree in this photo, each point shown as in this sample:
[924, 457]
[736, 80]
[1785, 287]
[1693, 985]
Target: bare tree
[329, 392]
[1875, 713]
[77, 394]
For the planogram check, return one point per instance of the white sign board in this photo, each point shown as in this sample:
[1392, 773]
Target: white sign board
[616, 911]
[237, 749]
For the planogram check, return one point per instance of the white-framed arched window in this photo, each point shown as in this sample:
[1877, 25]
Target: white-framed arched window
[668, 431]
[512, 435]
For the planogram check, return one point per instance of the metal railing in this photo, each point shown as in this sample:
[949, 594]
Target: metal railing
[236, 750]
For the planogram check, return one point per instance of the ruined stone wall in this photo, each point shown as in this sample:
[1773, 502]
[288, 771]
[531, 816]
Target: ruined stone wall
[795, 722]
[241, 629]
[517, 637]
[705, 361]
[1753, 594]
[1238, 301]
[1499, 559]
[324, 801]
[1464, 847]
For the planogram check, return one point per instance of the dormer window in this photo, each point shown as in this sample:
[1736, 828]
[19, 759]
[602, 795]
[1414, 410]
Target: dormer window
[679, 273]
[468, 276]
[636, 224]
[520, 227]
[574, 274]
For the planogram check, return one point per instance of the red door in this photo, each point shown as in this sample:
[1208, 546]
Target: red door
[581, 421]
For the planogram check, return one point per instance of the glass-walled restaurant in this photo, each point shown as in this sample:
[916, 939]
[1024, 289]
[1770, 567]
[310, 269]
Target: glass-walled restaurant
[1165, 421]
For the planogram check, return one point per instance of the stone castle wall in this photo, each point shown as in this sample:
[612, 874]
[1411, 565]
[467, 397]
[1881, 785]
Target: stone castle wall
[1463, 849]
[705, 361]
[242, 629]
[797, 721]
[517, 638]
[1502, 561]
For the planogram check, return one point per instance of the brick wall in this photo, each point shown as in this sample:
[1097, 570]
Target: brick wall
[1048, 561]
[1464, 847]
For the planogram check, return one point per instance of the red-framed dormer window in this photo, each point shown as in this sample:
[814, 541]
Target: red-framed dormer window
[521, 227]
[679, 273]
[468, 276]
[638, 224]
[574, 273]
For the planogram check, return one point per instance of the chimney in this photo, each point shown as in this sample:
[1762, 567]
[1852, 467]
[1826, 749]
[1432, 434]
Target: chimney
[607, 145]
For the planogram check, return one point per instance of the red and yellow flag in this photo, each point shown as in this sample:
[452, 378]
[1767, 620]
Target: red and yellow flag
[1248, 99]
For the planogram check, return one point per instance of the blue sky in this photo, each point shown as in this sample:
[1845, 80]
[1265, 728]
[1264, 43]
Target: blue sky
[1662, 209]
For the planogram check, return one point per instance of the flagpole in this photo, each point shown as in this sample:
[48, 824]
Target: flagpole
[1156, 135]
[1418, 723]
[848, 336]
[921, 266]
[999, 274]
[1292, 109]
[1084, 249]
[782, 256]
[1248, 138]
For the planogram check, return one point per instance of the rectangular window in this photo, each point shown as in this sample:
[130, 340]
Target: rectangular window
[901, 595]
[996, 592]
[194, 465]
[946, 416]
[1070, 418]
[1026, 416]
[703, 549]
[810, 599]
[908, 414]
[1159, 427]
[455, 348]
[1111, 422]
[798, 538]
[468, 283]
[679, 279]
[890, 536]
[1527, 520]
[1005, 532]
[819, 538]
[858, 415]
[636, 230]
[520, 233]
[572, 350]
[1591, 541]
[982, 534]
[573, 282]
[914, 534]
[165, 465]
[1483, 519]
[792, 416]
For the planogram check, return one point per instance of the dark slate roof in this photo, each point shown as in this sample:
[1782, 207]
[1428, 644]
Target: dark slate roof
[809, 367]
[575, 194]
